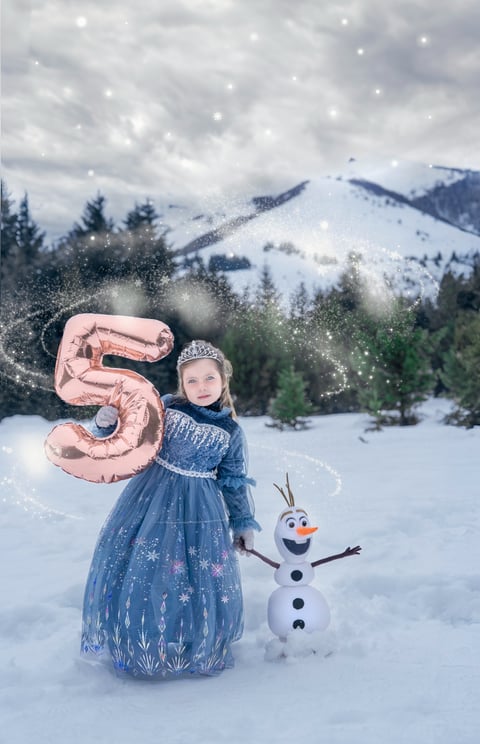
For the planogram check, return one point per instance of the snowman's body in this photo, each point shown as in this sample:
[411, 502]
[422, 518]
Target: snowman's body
[295, 604]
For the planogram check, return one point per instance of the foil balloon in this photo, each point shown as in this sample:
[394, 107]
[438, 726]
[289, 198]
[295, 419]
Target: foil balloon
[81, 379]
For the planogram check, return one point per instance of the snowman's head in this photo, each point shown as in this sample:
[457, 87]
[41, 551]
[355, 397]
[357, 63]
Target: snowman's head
[293, 534]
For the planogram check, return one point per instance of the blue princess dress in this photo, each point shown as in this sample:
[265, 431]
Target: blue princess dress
[163, 595]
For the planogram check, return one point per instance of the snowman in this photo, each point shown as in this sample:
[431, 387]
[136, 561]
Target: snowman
[296, 604]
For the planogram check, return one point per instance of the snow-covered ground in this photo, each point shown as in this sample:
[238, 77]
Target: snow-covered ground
[404, 636]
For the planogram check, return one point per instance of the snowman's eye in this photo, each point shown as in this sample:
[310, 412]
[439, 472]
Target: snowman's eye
[291, 524]
[304, 522]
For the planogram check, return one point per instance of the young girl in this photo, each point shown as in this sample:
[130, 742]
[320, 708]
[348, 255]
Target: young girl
[163, 595]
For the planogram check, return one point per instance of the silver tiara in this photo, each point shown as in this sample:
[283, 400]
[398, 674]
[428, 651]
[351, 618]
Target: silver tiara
[199, 350]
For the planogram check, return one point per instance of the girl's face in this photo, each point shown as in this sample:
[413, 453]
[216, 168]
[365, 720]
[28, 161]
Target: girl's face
[202, 382]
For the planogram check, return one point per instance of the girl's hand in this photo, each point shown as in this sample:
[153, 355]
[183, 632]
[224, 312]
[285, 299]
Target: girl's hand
[243, 541]
[106, 416]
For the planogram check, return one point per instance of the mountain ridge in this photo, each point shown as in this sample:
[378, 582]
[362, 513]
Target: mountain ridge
[392, 214]
[262, 204]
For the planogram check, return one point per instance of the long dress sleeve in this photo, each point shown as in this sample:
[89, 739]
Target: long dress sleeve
[234, 484]
[101, 432]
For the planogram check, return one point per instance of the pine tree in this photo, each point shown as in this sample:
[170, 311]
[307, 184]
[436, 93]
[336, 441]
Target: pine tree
[440, 319]
[290, 402]
[93, 219]
[350, 292]
[257, 343]
[88, 255]
[8, 223]
[203, 302]
[142, 216]
[300, 304]
[330, 334]
[391, 359]
[461, 372]
[268, 297]
[22, 242]
[30, 238]
[8, 244]
[143, 250]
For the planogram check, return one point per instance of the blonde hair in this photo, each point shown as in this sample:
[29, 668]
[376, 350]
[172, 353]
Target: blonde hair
[224, 367]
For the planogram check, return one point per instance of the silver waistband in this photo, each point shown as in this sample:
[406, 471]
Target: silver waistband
[181, 471]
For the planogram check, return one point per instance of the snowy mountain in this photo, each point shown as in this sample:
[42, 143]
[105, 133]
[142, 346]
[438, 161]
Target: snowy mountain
[407, 221]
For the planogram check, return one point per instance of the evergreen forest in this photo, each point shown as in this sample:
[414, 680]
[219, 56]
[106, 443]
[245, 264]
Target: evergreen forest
[312, 354]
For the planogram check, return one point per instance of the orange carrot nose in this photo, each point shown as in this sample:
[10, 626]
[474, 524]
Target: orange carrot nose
[304, 531]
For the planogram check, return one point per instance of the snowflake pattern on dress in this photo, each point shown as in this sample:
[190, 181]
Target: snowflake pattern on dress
[163, 650]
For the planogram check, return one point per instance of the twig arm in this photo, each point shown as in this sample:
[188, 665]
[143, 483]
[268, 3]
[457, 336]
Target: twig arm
[348, 551]
[263, 558]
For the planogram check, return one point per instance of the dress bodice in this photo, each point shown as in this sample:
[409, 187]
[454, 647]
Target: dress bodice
[202, 442]
[192, 440]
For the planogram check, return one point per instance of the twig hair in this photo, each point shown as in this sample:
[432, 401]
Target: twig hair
[290, 499]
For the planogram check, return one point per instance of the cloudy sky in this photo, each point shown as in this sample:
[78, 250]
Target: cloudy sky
[203, 100]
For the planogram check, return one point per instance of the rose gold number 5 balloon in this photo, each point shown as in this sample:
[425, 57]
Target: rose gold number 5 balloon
[81, 379]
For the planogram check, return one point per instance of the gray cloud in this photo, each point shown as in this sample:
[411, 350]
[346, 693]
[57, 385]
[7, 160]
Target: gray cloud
[209, 98]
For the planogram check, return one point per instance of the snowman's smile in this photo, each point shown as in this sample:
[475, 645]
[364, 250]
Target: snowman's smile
[295, 547]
